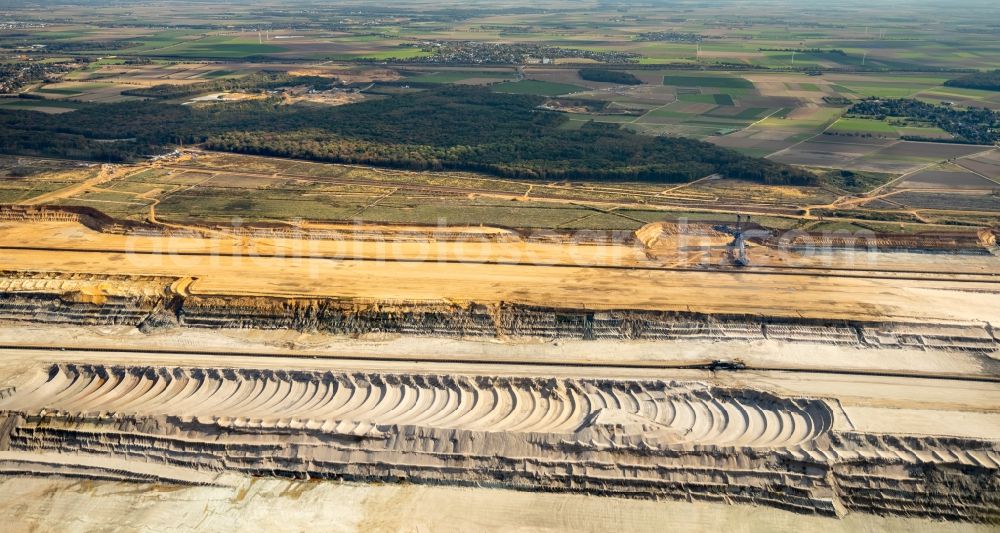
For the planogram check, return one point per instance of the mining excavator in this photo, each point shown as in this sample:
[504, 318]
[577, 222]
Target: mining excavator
[737, 250]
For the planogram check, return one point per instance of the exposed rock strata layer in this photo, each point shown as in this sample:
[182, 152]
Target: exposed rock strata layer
[643, 439]
[981, 242]
[153, 302]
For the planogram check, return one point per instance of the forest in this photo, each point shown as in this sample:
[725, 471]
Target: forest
[456, 127]
[609, 76]
[987, 81]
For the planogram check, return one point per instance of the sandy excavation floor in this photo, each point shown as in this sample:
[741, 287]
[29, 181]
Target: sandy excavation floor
[579, 287]
[865, 393]
[804, 294]
[771, 354]
[871, 403]
[73, 505]
[154, 419]
[477, 246]
[685, 411]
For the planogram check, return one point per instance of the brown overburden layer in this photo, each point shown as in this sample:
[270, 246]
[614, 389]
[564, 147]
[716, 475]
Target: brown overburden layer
[595, 276]
[497, 321]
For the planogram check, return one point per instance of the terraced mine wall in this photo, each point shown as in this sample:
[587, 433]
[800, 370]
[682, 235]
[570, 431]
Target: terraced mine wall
[638, 439]
[86, 216]
[514, 320]
[98, 221]
[983, 241]
[152, 302]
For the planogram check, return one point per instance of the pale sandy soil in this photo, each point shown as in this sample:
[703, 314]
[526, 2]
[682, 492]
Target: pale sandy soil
[927, 421]
[360, 404]
[15, 463]
[827, 397]
[578, 287]
[333, 99]
[670, 249]
[471, 231]
[63, 234]
[223, 97]
[739, 292]
[35, 504]
[934, 407]
[756, 354]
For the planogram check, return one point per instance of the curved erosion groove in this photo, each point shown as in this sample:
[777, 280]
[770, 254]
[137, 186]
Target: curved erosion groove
[630, 438]
[664, 412]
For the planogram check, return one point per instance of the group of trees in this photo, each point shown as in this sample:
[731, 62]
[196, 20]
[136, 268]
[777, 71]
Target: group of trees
[610, 76]
[46, 144]
[455, 127]
[89, 46]
[596, 152]
[987, 81]
[972, 125]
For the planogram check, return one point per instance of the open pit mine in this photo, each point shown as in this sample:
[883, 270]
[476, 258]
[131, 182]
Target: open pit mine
[826, 378]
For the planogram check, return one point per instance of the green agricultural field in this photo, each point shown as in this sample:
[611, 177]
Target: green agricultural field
[12, 193]
[884, 90]
[31, 102]
[85, 86]
[221, 47]
[928, 132]
[457, 76]
[723, 99]
[750, 113]
[615, 119]
[719, 82]
[161, 39]
[59, 91]
[216, 74]
[862, 125]
[391, 53]
[207, 203]
[47, 106]
[542, 88]
[697, 98]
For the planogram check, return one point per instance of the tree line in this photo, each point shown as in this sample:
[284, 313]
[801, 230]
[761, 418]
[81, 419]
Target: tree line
[609, 76]
[986, 81]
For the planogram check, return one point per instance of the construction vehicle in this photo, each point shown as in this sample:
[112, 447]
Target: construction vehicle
[737, 250]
